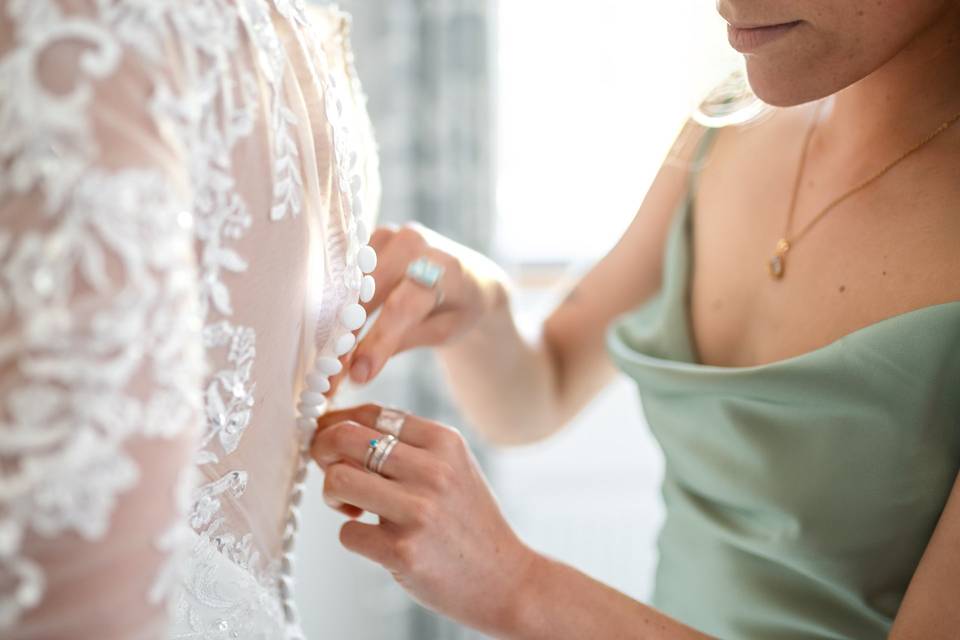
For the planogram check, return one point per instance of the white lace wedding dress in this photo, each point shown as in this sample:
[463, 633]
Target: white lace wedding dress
[186, 189]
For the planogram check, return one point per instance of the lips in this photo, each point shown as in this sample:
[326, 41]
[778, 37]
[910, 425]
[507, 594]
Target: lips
[747, 39]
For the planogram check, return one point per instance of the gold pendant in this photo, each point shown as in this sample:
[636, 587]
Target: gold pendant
[778, 264]
[775, 267]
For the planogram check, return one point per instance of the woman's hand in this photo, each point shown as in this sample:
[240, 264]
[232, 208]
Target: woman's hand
[441, 532]
[412, 315]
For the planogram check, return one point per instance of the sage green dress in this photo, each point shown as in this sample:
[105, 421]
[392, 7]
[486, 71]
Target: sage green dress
[800, 494]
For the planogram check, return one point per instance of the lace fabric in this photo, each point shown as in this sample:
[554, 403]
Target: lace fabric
[185, 202]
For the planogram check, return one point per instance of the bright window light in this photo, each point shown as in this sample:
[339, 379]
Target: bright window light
[591, 97]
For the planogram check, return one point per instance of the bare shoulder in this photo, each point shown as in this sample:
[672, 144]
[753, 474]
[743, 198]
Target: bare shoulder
[685, 147]
[744, 149]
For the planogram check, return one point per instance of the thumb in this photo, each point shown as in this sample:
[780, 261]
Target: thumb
[407, 307]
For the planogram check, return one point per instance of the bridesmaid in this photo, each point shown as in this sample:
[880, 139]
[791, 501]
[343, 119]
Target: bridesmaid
[788, 301]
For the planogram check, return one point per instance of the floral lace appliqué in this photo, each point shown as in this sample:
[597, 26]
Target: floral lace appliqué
[121, 285]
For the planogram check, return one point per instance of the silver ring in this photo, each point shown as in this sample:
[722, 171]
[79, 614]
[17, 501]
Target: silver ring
[386, 454]
[425, 273]
[390, 421]
[373, 447]
[375, 454]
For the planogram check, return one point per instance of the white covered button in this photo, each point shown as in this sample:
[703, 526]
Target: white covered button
[353, 316]
[367, 259]
[312, 397]
[344, 344]
[367, 288]
[297, 497]
[286, 586]
[10, 536]
[307, 424]
[328, 366]
[318, 382]
[310, 410]
[363, 232]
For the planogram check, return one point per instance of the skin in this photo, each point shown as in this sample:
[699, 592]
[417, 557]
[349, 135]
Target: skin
[439, 524]
[884, 71]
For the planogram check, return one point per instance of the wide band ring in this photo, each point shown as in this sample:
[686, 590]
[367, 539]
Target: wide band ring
[427, 274]
[390, 421]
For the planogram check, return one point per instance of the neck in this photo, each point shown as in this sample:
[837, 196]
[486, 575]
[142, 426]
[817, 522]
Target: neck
[903, 100]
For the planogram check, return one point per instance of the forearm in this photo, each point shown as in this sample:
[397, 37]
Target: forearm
[561, 603]
[505, 384]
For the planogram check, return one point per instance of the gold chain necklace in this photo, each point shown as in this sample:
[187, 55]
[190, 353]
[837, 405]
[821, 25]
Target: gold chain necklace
[777, 265]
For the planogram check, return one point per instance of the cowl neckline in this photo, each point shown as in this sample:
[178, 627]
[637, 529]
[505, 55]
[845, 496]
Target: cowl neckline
[658, 334]
[898, 322]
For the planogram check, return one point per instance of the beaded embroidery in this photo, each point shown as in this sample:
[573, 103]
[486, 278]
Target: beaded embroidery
[65, 476]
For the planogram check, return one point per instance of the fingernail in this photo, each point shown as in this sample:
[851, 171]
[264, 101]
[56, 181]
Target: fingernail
[360, 370]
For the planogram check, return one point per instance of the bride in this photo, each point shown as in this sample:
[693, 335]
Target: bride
[186, 193]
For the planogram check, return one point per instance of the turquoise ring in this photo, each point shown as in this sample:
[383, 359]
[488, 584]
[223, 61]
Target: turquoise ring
[370, 450]
[425, 273]
[378, 455]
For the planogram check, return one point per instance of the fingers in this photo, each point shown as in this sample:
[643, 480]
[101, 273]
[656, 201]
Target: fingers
[438, 328]
[370, 541]
[345, 484]
[350, 441]
[343, 441]
[349, 510]
[417, 432]
[391, 267]
[365, 414]
[409, 313]
[382, 236]
[395, 251]
[408, 306]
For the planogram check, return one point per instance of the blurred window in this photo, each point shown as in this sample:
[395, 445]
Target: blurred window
[591, 96]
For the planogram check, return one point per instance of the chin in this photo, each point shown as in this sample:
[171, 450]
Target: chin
[790, 80]
[788, 86]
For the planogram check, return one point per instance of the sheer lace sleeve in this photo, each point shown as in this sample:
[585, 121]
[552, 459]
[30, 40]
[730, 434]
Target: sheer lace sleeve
[101, 359]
